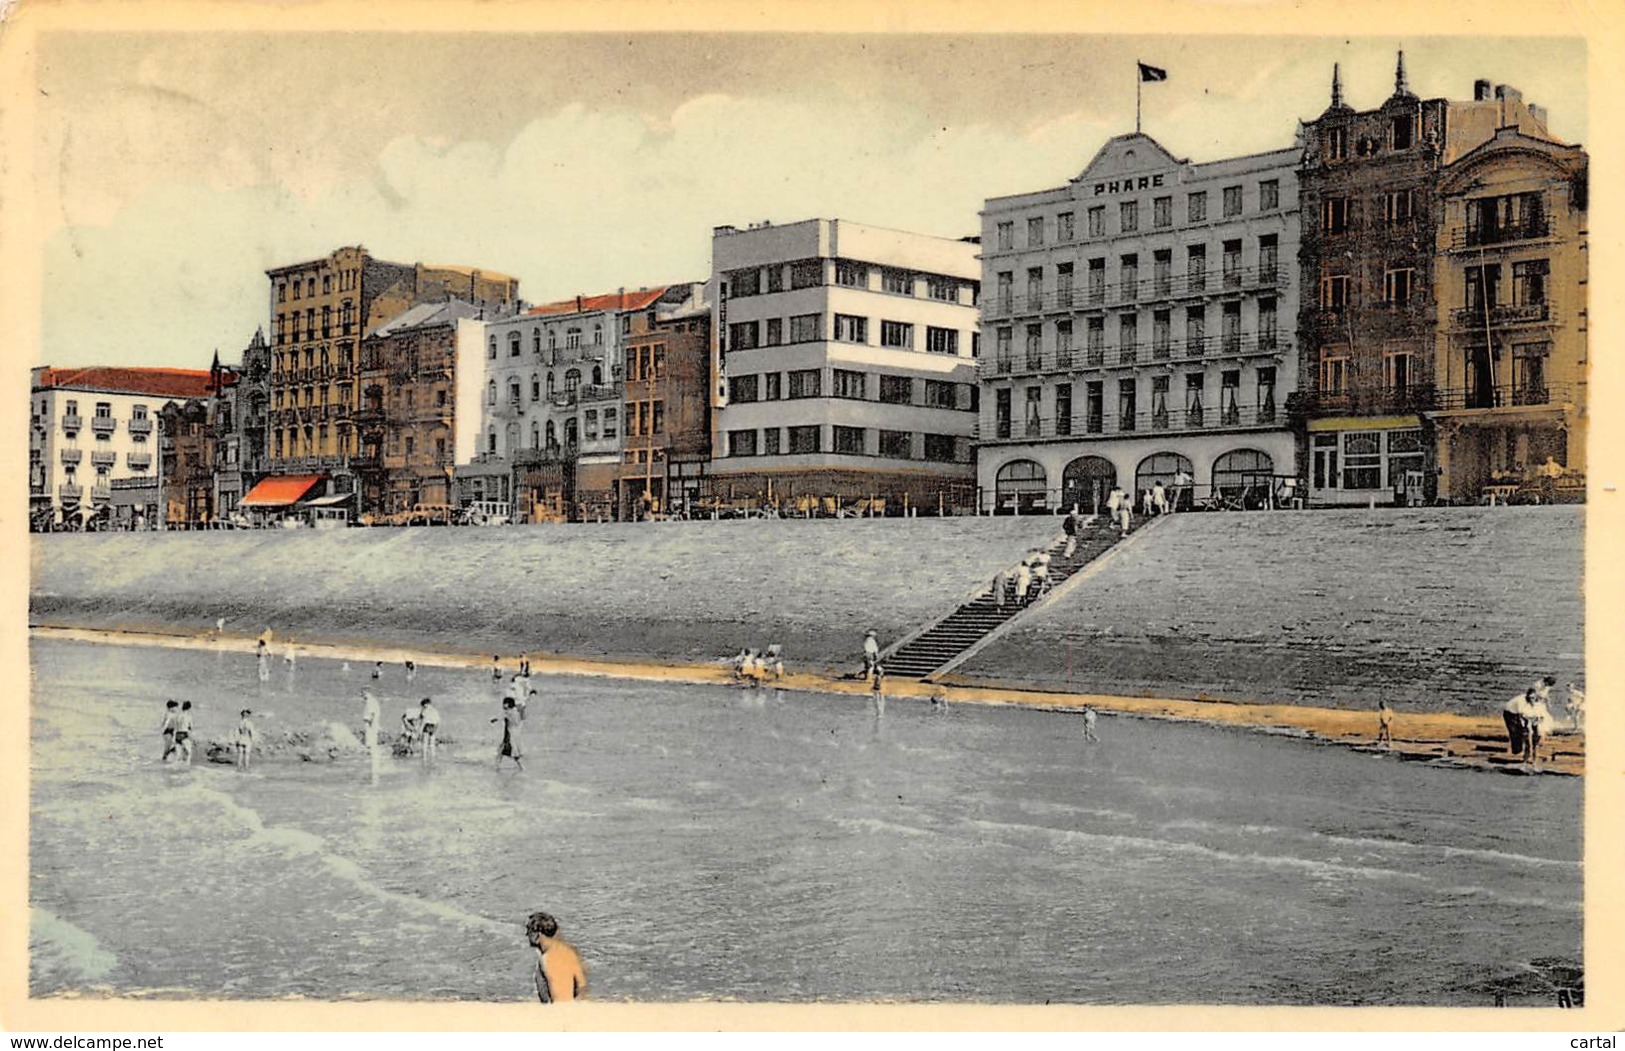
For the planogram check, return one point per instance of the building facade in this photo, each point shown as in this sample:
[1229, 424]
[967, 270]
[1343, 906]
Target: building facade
[845, 368]
[667, 375]
[90, 426]
[1140, 321]
[239, 413]
[1367, 324]
[319, 312]
[186, 447]
[1511, 344]
[417, 371]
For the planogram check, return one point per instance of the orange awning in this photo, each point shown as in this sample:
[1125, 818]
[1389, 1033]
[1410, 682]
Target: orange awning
[281, 491]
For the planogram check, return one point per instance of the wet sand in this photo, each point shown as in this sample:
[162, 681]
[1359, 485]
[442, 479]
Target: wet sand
[1440, 738]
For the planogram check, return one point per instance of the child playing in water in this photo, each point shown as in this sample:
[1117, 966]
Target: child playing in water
[183, 733]
[245, 739]
[167, 728]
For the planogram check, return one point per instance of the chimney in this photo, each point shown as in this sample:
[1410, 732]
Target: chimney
[1508, 93]
[1538, 113]
[1481, 91]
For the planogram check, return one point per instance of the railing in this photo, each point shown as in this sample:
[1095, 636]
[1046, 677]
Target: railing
[1501, 397]
[69, 491]
[1140, 290]
[1175, 419]
[101, 492]
[71, 422]
[141, 426]
[139, 461]
[103, 459]
[1120, 355]
[563, 399]
[601, 392]
[1415, 398]
[73, 456]
[1464, 237]
[1469, 318]
[103, 424]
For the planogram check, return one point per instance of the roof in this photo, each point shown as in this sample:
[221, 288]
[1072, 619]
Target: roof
[425, 315]
[470, 271]
[639, 300]
[280, 490]
[163, 383]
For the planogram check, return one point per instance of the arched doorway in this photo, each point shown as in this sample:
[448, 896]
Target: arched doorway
[1175, 474]
[1086, 483]
[1020, 487]
[1244, 476]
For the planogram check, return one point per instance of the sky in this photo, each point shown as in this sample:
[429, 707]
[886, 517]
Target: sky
[173, 169]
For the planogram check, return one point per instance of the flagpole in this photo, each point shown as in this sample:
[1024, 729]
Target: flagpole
[1137, 80]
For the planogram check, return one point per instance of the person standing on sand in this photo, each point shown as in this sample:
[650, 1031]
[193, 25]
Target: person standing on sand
[496, 668]
[1385, 724]
[167, 729]
[1577, 708]
[1089, 718]
[429, 727]
[1541, 724]
[245, 739]
[512, 746]
[1515, 713]
[871, 652]
[369, 718]
[559, 974]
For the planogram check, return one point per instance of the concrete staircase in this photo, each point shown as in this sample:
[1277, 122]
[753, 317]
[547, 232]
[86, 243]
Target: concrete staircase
[941, 642]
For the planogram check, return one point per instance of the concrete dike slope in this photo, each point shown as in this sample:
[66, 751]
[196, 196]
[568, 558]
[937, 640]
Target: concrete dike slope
[679, 591]
[1437, 609]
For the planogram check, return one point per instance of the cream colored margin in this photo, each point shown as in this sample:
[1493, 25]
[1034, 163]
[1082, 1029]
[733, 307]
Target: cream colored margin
[20, 281]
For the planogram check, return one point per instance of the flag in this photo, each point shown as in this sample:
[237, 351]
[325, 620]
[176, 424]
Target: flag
[1151, 73]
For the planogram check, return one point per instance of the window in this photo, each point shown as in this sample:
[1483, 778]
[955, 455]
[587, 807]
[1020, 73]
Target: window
[1230, 397]
[1006, 233]
[535, 389]
[1007, 284]
[1097, 279]
[1399, 207]
[1063, 284]
[805, 439]
[1095, 340]
[1001, 412]
[1159, 403]
[1269, 258]
[1405, 453]
[1337, 144]
[1230, 327]
[552, 385]
[804, 383]
[847, 384]
[1334, 370]
[1195, 331]
[1128, 276]
[609, 422]
[1396, 370]
[598, 335]
[1035, 288]
[896, 390]
[1066, 226]
[1194, 384]
[1063, 344]
[1529, 282]
[1267, 324]
[851, 329]
[808, 273]
[572, 381]
[941, 394]
[1035, 412]
[941, 448]
[942, 288]
[897, 445]
[853, 275]
[1162, 264]
[1001, 359]
[1232, 201]
[298, 285]
[1094, 411]
[513, 392]
[1335, 292]
[1161, 324]
[491, 349]
[1128, 216]
[536, 341]
[897, 282]
[1483, 283]
[741, 443]
[282, 292]
[742, 389]
[1266, 394]
[1396, 286]
[1196, 207]
[848, 440]
[1529, 373]
[1097, 221]
[744, 283]
[897, 334]
[1335, 215]
[773, 386]
[1196, 267]
[1162, 212]
[572, 338]
[1128, 337]
[513, 344]
[491, 392]
[1230, 263]
[1063, 409]
[1035, 347]
[1269, 195]
[1127, 404]
[1402, 131]
[1507, 218]
[775, 332]
[806, 328]
[1362, 459]
[937, 340]
[1035, 232]
[744, 335]
[772, 441]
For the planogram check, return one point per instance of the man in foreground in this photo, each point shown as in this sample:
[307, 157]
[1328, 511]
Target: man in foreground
[559, 976]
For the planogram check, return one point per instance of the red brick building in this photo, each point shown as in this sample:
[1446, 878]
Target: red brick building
[667, 413]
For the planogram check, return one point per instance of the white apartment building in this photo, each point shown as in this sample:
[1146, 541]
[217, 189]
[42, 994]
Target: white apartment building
[845, 366]
[90, 426]
[1141, 324]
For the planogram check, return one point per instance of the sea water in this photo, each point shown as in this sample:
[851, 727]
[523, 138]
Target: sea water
[707, 842]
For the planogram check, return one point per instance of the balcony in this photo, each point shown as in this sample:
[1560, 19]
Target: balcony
[142, 426]
[69, 491]
[1416, 398]
[601, 392]
[1161, 288]
[1176, 419]
[1502, 397]
[72, 456]
[72, 422]
[1482, 237]
[100, 458]
[1502, 315]
[563, 399]
[101, 493]
[139, 461]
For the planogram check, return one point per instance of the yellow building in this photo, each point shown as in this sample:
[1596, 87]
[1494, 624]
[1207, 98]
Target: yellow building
[1510, 360]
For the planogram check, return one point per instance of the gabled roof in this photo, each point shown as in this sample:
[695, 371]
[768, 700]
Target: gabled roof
[162, 383]
[639, 300]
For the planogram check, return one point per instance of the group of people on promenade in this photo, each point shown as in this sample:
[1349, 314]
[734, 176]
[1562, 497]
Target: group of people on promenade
[1529, 719]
